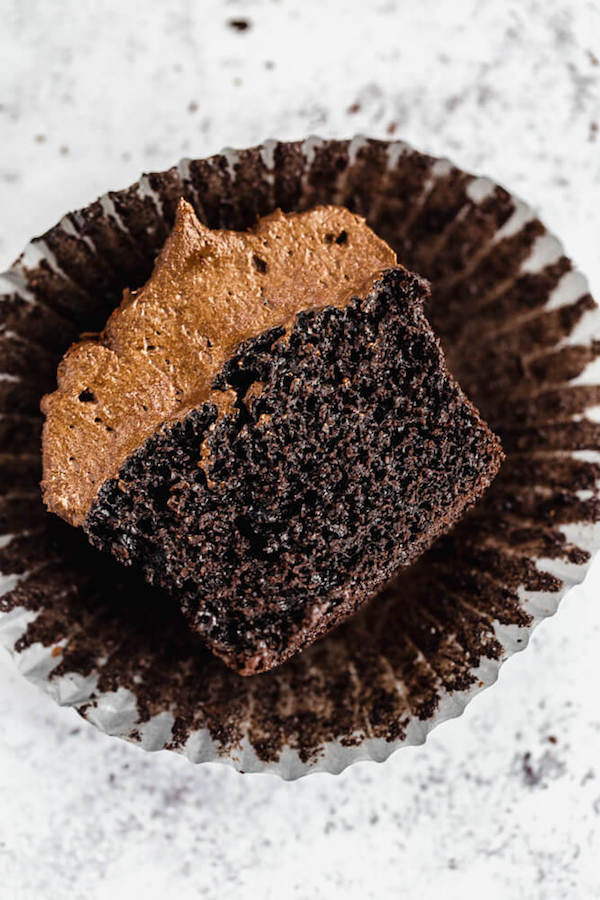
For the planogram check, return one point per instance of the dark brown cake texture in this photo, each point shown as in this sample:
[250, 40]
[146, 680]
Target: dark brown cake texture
[304, 466]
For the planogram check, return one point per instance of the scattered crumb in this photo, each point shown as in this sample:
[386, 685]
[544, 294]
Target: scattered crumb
[239, 24]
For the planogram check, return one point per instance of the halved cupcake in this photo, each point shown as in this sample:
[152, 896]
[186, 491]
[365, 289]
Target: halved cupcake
[267, 429]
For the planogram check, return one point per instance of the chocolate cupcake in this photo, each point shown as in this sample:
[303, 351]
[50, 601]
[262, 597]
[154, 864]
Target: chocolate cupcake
[519, 331]
[266, 429]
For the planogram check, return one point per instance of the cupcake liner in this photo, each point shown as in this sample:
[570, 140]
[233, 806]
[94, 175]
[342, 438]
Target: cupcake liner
[522, 335]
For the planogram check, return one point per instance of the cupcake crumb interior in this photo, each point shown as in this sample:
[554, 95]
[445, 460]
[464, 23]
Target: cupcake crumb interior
[162, 347]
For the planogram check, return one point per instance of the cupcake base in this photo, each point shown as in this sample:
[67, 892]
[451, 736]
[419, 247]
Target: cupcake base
[520, 332]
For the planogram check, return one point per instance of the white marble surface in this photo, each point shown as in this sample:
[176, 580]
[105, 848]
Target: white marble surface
[503, 802]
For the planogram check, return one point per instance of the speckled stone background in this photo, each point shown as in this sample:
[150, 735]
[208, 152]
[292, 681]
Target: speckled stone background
[504, 802]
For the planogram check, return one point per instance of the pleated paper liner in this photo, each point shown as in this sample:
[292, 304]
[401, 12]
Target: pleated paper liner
[521, 333]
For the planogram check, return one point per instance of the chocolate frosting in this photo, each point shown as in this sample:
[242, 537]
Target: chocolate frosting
[162, 347]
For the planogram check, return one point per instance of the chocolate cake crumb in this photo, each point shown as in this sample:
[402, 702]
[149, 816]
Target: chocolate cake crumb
[349, 451]
[239, 24]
